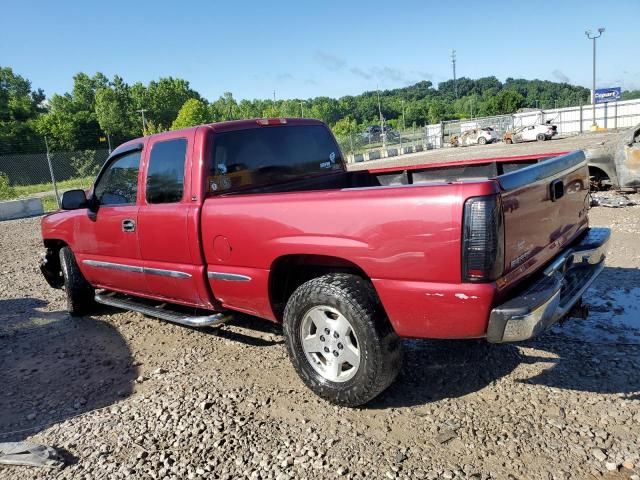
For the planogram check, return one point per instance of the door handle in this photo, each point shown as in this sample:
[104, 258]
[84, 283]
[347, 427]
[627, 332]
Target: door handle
[128, 225]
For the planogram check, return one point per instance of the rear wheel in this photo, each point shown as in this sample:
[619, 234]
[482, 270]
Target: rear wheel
[508, 141]
[482, 140]
[541, 137]
[339, 340]
[78, 291]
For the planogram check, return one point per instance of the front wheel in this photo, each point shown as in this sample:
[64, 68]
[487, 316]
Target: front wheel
[482, 140]
[339, 340]
[78, 291]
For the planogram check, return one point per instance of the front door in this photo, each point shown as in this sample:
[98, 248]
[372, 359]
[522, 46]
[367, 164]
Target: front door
[106, 243]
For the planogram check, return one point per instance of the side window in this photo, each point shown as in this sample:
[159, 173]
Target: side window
[118, 185]
[165, 176]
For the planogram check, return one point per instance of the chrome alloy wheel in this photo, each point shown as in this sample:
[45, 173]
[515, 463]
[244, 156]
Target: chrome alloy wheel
[330, 344]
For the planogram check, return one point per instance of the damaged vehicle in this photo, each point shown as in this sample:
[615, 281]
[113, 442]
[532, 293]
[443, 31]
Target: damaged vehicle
[616, 163]
[262, 217]
[531, 133]
[479, 136]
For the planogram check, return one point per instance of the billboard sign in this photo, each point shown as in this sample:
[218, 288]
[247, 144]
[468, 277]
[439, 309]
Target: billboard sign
[604, 95]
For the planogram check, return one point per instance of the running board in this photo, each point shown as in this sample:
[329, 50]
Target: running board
[160, 311]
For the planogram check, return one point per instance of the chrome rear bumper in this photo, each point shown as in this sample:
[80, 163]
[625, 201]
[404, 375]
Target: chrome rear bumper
[552, 296]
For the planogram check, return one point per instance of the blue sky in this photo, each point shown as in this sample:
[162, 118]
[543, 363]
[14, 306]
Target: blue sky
[311, 48]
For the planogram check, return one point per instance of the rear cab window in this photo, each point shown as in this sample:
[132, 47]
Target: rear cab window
[259, 156]
[165, 175]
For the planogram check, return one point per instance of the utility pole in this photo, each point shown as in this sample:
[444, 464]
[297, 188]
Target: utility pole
[453, 63]
[404, 123]
[384, 137]
[53, 177]
[144, 122]
[301, 109]
[593, 37]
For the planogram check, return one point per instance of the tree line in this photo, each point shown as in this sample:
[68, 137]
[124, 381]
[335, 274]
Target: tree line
[99, 110]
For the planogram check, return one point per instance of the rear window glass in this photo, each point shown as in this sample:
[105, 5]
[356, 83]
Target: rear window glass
[266, 155]
[165, 178]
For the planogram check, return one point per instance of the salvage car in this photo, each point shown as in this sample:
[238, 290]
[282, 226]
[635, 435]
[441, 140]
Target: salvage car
[616, 163]
[479, 136]
[531, 133]
[262, 217]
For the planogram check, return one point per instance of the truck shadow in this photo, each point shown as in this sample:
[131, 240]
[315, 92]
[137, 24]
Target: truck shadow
[598, 355]
[55, 367]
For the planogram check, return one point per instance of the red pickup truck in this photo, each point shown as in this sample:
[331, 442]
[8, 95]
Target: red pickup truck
[262, 217]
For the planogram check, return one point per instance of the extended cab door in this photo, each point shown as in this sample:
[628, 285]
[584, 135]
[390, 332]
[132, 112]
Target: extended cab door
[106, 238]
[169, 223]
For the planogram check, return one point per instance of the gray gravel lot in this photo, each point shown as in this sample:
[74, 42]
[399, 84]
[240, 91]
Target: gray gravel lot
[447, 154]
[124, 396]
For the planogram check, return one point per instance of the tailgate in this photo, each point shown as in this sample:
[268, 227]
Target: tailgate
[545, 208]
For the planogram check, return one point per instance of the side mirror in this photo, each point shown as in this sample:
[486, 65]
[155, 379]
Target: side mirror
[74, 199]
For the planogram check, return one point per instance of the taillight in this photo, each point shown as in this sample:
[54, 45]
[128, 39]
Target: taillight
[482, 239]
[271, 121]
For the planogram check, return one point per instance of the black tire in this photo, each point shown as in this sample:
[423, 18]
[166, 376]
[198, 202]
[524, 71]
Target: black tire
[482, 141]
[380, 348]
[541, 137]
[77, 290]
[508, 141]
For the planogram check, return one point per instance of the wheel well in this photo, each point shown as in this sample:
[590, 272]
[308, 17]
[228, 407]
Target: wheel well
[291, 271]
[597, 177]
[52, 269]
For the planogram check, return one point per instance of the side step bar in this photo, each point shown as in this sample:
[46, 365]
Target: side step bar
[128, 303]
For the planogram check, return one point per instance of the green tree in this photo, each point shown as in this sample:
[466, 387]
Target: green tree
[19, 108]
[115, 110]
[165, 97]
[193, 112]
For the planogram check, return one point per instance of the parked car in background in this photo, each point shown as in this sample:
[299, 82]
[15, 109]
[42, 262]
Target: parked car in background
[530, 133]
[480, 136]
[373, 133]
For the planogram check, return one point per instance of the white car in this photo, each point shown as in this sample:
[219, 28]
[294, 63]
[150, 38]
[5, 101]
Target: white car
[480, 136]
[531, 133]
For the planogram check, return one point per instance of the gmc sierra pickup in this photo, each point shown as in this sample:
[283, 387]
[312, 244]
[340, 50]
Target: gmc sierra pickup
[261, 217]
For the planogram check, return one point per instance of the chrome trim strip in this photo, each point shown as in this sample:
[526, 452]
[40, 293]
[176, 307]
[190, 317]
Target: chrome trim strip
[228, 277]
[113, 266]
[134, 269]
[166, 273]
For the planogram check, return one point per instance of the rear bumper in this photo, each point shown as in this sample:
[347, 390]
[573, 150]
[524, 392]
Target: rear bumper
[551, 297]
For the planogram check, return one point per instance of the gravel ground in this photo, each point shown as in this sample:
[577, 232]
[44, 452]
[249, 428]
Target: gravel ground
[124, 396]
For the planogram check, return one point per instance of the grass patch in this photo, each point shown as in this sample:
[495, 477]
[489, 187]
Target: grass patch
[26, 190]
[49, 203]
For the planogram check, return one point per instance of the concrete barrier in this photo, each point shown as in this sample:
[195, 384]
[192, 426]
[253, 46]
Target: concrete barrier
[358, 157]
[392, 152]
[27, 207]
[405, 150]
[373, 154]
[418, 148]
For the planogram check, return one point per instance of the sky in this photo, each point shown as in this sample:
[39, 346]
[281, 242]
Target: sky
[302, 49]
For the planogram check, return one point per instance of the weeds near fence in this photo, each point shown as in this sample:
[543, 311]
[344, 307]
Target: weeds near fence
[6, 191]
[78, 182]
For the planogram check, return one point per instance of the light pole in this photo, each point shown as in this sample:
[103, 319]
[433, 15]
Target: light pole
[301, 109]
[141, 111]
[593, 37]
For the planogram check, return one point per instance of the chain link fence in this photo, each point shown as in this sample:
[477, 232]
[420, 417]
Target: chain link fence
[47, 175]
